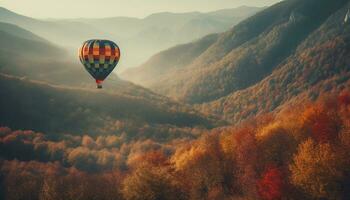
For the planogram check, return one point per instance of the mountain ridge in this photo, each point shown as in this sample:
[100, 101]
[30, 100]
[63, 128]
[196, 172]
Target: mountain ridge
[139, 38]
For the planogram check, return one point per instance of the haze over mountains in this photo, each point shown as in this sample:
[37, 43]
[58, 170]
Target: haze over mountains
[138, 38]
[30, 57]
[225, 66]
[214, 72]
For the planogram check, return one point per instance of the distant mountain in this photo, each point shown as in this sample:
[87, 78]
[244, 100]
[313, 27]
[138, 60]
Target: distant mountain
[28, 55]
[16, 31]
[138, 38]
[16, 40]
[236, 59]
[60, 33]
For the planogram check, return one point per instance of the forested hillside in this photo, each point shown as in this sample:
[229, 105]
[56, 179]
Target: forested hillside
[319, 65]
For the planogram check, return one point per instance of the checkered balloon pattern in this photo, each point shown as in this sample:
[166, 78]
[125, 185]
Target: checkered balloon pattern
[99, 57]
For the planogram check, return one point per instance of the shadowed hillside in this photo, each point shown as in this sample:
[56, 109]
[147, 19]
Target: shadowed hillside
[41, 107]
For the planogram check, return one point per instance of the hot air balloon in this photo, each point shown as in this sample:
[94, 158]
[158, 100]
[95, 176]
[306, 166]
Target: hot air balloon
[99, 58]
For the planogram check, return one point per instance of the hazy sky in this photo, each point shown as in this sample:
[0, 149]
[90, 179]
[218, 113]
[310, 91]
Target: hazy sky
[108, 8]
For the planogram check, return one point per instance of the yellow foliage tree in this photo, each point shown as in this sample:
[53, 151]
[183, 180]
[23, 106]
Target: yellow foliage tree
[318, 170]
[151, 183]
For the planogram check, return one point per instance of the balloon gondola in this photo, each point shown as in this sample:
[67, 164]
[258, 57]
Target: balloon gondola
[99, 58]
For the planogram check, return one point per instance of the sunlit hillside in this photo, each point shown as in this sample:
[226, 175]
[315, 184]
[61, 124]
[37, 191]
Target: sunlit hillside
[241, 57]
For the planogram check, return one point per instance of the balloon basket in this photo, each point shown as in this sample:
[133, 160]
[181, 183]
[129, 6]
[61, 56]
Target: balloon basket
[99, 84]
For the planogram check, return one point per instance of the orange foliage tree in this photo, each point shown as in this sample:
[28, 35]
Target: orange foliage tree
[323, 121]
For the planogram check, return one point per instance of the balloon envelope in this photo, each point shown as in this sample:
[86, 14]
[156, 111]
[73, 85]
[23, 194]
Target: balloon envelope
[99, 58]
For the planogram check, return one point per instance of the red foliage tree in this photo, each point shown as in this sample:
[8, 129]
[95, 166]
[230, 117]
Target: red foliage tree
[272, 184]
[344, 98]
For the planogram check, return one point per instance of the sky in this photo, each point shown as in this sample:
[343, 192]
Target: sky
[112, 8]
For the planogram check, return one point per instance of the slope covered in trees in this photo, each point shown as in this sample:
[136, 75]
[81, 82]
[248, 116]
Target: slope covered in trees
[319, 65]
[241, 57]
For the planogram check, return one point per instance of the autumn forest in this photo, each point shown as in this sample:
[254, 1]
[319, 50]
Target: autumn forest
[251, 103]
